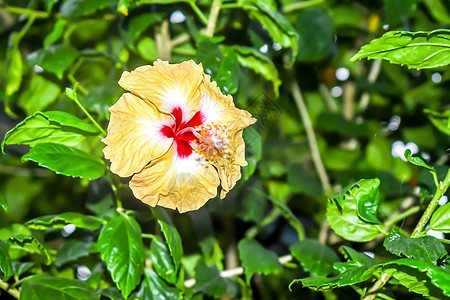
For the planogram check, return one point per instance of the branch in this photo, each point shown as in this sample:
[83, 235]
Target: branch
[311, 136]
[215, 8]
[238, 271]
[12, 291]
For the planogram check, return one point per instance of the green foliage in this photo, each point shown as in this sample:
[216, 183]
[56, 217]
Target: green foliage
[209, 281]
[162, 261]
[417, 161]
[425, 248]
[153, 287]
[5, 262]
[440, 220]
[316, 258]
[66, 160]
[171, 234]
[45, 287]
[439, 120]
[326, 118]
[49, 127]
[437, 276]
[59, 221]
[419, 50]
[352, 212]
[252, 59]
[55, 59]
[29, 244]
[121, 248]
[315, 29]
[256, 259]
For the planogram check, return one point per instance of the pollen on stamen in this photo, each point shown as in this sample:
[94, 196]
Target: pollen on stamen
[212, 140]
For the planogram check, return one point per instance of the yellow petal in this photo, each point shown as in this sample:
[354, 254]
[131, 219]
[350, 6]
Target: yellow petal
[220, 109]
[177, 183]
[230, 169]
[134, 135]
[168, 86]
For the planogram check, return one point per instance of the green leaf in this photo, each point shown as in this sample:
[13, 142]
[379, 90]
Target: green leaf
[414, 280]
[253, 151]
[438, 10]
[162, 261]
[261, 64]
[137, 26]
[425, 248]
[122, 6]
[40, 94]
[399, 11]
[440, 220]
[220, 62]
[350, 274]
[171, 234]
[14, 64]
[61, 220]
[72, 250]
[45, 287]
[76, 8]
[438, 276]
[316, 35]
[256, 259]
[56, 33]
[6, 270]
[55, 59]
[153, 287]
[278, 27]
[147, 49]
[110, 292]
[440, 120]
[29, 244]
[419, 50]
[367, 193]
[287, 214]
[316, 258]
[417, 161]
[66, 160]
[3, 203]
[212, 253]
[342, 212]
[121, 248]
[358, 258]
[209, 281]
[20, 268]
[49, 127]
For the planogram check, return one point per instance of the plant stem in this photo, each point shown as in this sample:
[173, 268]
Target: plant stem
[75, 99]
[432, 206]
[26, 11]
[215, 8]
[373, 75]
[311, 136]
[198, 12]
[401, 216]
[12, 291]
[182, 38]
[236, 5]
[296, 5]
[147, 235]
[442, 188]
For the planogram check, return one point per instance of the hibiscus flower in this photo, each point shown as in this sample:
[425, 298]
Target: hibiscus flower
[177, 135]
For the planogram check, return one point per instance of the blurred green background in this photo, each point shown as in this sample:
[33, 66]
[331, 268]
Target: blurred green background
[364, 115]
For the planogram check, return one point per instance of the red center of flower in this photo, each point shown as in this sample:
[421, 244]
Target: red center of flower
[181, 131]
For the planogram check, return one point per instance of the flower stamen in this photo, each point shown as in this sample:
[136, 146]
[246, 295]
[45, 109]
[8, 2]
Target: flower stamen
[212, 141]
